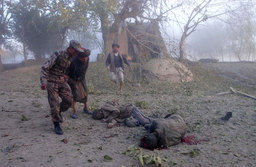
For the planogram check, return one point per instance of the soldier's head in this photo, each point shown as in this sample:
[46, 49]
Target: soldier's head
[115, 47]
[74, 48]
[149, 141]
[83, 56]
[97, 114]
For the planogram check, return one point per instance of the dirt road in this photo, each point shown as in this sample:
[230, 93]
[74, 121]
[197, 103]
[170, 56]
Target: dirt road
[27, 138]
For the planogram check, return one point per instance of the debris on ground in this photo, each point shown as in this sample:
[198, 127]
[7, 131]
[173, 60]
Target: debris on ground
[65, 141]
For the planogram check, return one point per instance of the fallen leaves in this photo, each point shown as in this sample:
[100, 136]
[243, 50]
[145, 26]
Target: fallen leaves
[65, 141]
[8, 149]
[5, 135]
[24, 118]
[193, 153]
[110, 136]
[107, 158]
[144, 159]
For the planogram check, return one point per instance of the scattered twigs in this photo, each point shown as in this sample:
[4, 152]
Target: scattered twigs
[233, 91]
[242, 93]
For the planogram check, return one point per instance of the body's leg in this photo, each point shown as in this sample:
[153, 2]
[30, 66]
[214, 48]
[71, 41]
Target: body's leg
[138, 115]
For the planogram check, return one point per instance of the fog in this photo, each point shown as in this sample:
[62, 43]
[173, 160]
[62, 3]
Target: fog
[226, 32]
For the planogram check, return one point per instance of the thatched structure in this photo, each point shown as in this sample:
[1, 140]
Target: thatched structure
[139, 41]
[143, 43]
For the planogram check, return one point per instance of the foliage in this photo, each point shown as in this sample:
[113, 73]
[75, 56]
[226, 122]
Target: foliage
[44, 29]
[107, 158]
[144, 159]
[142, 104]
[4, 20]
[24, 118]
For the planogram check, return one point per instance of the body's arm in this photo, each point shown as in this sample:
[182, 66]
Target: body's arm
[45, 69]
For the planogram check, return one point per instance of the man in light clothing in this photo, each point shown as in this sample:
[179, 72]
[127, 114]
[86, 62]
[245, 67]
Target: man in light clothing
[115, 63]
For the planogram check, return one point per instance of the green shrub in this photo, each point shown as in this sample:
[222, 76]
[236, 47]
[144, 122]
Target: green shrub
[142, 104]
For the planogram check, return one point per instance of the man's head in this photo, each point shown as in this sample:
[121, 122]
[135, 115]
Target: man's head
[149, 141]
[97, 114]
[74, 48]
[115, 47]
[83, 56]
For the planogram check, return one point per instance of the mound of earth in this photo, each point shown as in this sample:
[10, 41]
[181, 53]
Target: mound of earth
[168, 70]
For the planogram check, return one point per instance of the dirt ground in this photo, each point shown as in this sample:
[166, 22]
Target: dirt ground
[27, 138]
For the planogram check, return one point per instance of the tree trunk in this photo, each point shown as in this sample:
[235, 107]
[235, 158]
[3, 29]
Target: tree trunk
[105, 30]
[182, 47]
[1, 64]
[112, 35]
[25, 53]
[62, 38]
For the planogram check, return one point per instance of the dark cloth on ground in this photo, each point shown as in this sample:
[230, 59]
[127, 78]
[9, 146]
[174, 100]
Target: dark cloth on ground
[77, 81]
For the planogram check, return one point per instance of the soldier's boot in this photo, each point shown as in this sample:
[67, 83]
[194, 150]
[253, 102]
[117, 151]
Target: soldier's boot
[57, 128]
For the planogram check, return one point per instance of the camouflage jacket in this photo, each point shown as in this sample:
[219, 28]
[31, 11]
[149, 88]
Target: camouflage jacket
[55, 68]
[170, 131]
[112, 110]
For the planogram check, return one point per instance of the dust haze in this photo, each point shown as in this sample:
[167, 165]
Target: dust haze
[194, 58]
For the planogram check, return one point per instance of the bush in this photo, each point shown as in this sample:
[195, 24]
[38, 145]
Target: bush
[142, 104]
[91, 89]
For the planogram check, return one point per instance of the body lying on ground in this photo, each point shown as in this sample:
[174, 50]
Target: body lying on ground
[164, 133]
[113, 113]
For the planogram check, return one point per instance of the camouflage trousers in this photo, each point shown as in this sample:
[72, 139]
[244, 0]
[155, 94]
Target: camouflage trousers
[56, 90]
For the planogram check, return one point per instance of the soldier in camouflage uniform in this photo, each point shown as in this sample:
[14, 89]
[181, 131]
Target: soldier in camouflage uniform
[53, 79]
[164, 133]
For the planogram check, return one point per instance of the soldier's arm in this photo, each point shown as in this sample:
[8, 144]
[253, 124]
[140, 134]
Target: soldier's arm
[45, 69]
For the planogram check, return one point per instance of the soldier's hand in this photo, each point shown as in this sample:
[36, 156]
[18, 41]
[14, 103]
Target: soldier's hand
[87, 52]
[43, 87]
[108, 68]
[66, 77]
[130, 68]
[76, 86]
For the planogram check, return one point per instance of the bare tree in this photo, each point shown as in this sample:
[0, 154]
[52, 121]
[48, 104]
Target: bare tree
[242, 34]
[197, 16]
[4, 19]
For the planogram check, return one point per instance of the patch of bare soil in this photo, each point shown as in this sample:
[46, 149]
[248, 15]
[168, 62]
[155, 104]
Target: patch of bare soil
[27, 138]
